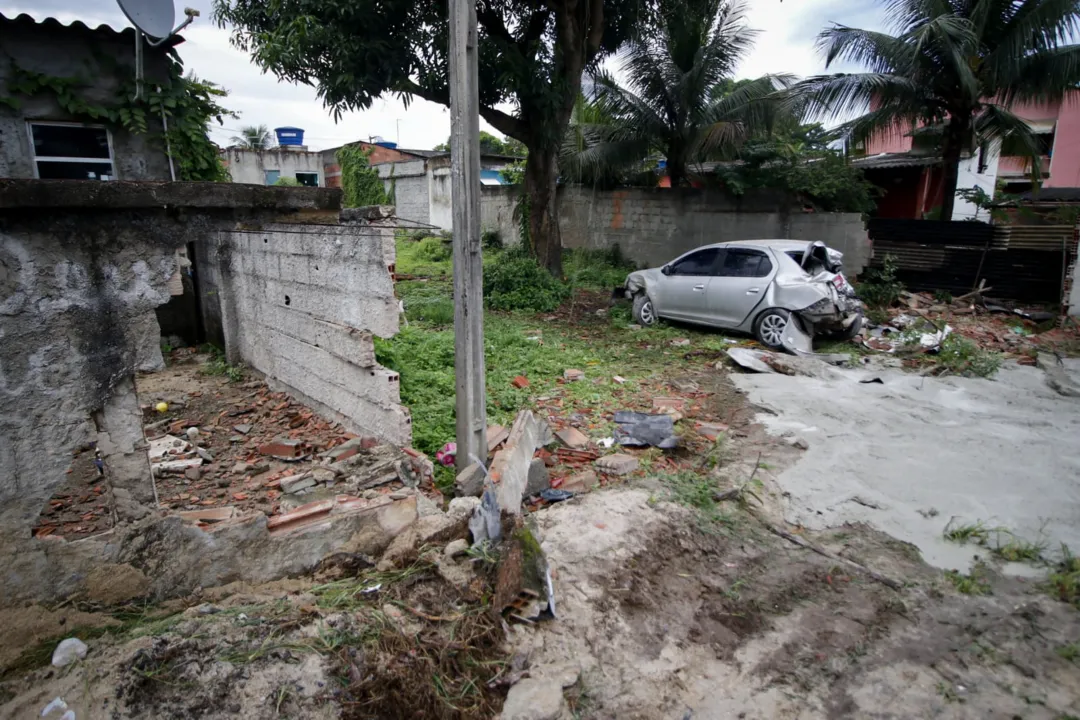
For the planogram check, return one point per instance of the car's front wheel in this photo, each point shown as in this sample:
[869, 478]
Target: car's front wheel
[769, 328]
[644, 312]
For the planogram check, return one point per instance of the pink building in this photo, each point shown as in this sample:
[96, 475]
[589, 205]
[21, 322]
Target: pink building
[911, 175]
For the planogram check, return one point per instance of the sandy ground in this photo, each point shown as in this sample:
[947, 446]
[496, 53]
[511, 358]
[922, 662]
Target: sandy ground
[1001, 451]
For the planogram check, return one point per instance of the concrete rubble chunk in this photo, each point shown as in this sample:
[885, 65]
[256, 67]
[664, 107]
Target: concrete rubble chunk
[710, 430]
[322, 474]
[510, 467]
[538, 478]
[456, 547]
[573, 438]
[69, 651]
[573, 375]
[462, 507]
[617, 464]
[243, 428]
[583, 481]
[534, 699]
[296, 483]
[210, 515]
[496, 436]
[470, 481]
[204, 454]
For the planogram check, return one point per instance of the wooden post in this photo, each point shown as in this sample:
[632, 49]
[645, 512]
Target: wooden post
[471, 401]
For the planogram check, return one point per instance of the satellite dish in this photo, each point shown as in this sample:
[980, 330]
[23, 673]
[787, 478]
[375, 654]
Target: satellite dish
[153, 17]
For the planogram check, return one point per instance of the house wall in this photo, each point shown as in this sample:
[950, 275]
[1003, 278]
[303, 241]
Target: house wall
[301, 304]
[1065, 161]
[442, 208]
[411, 188]
[250, 166]
[654, 225]
[53, 49]
[379, 154]
[968, 176]
[497, 204]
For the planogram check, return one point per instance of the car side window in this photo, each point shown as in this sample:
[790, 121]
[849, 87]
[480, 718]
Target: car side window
[702, 262]
[739, 262]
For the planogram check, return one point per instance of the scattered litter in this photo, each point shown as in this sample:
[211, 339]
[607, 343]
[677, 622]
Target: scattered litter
[371, 588]
[56, 704]
[618, 379]
[485, 523]
[162, 407]
[553, 496]
[69, 651]
[606, 443]
[868, 381]
[680, 342]
[446, 455]
[642, 430]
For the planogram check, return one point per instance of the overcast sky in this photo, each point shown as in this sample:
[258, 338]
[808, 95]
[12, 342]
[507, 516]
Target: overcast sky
[786, 44]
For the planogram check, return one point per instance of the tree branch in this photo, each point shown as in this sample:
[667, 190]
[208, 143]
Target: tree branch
[493, 23]
[506, 124]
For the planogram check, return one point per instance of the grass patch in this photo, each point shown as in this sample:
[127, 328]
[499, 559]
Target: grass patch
[975, 583]
[596, 269]
[1063, 582]
[1070, 652]
[217, 365]
[998, 541]
[697, 491]
[977, 533]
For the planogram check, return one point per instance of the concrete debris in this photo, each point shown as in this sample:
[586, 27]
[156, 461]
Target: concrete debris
[204, 454]
[573, 438]
[496, 436]
[297, 483]
[166, 445]
[534, 699]
[617, 464]
[572, 375]
[69, 651]
[581, 482]
[243, 429]
[539, 479]
[1056, 377]
[510, 467]
[462, 507]
[711, 430]
[456, 547]
[686, 386]
[618, 379]
[470, 481]
[749, 359]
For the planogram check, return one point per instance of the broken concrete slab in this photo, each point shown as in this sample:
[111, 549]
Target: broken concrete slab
[470, 481]
[573, 438]
[749, 359]
[496, 436]
[1056, 377]
[510, 467]
[539, 479]
[296, 483]
[580, 482]
[617, 464]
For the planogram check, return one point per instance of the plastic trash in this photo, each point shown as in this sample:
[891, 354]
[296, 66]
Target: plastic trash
[552, 495]
[446, 454]
[69, 651]
[639, 429]
[485, 523]
[56, 704]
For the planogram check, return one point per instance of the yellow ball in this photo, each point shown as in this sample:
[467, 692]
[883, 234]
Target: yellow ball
[161, 406]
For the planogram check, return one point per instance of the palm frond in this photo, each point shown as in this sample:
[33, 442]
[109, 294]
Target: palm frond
[879, 52]
[1044, 76]
[833, 96]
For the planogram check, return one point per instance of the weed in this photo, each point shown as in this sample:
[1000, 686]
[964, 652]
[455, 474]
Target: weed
[975, 583]
[879, 287]
[1064, 582]
[963, 357]
[943, 296]
[697, 491]
[517, 282]
[947, 691]
[485, 553]
[720, 453]
[218, 365]
[433, 249]
[1070, 652]
[732, 593]
[596, 269]
[976, 533]
[1016, 549]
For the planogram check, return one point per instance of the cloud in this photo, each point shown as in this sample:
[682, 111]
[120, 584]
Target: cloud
[785, 44]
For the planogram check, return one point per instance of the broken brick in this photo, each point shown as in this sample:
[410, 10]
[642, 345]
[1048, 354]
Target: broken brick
[284, 449]
[520, 382]
[573, 438]
[710, 430]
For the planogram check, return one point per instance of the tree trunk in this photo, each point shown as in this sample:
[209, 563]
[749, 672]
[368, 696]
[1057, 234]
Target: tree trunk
[540, 187]
[952, 147]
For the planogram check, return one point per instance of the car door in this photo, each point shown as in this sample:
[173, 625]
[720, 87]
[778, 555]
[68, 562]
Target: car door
[740, 282]
[682, 293]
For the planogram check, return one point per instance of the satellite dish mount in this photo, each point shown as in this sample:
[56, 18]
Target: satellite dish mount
[154, 19]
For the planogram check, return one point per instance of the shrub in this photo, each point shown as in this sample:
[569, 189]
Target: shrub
[517, 282]
[433, 249]
[879, 287]
[491, 240]
[597, 269]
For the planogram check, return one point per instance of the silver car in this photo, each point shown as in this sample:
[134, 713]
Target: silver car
[784, 292]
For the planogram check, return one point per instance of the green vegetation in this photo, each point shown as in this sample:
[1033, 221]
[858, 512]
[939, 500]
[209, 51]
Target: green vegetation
[254, 137]
[1064, 581]
[218, 365]
[360, 182]
[963, 357]
[517, 282]
[1070, 652]
[433, 249]
[878, 287]
[976, 583]
[287, 182]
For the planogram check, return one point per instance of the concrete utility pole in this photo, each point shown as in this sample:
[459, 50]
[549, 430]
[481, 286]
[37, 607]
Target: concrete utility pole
[468, 269]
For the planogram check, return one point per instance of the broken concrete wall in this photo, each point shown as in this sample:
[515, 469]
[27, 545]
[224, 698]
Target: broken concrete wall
[82, 267]
[301, 304]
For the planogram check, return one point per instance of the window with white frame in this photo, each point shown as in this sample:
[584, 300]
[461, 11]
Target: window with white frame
[69, 151]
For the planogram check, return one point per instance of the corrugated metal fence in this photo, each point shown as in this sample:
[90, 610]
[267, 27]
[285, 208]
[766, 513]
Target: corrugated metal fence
[1020, 262]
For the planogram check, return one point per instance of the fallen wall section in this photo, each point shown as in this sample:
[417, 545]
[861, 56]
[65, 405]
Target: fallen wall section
[301, 303]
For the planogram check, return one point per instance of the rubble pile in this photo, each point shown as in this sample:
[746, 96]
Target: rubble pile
[994, 325]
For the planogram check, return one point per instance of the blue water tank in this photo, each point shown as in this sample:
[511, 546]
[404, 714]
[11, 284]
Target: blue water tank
[289, 135]
[378, 140]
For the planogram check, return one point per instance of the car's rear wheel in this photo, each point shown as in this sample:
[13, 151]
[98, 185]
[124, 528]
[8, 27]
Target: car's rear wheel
[644, 312]
[769, 327]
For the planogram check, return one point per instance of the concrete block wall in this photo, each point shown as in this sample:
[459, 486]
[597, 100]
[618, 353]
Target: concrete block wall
[497, 203]
[654, 225]
[411, 192]
[301, 304]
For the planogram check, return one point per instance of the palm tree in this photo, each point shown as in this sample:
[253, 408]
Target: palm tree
[254, 137]
[668, 106]
[955, 67]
